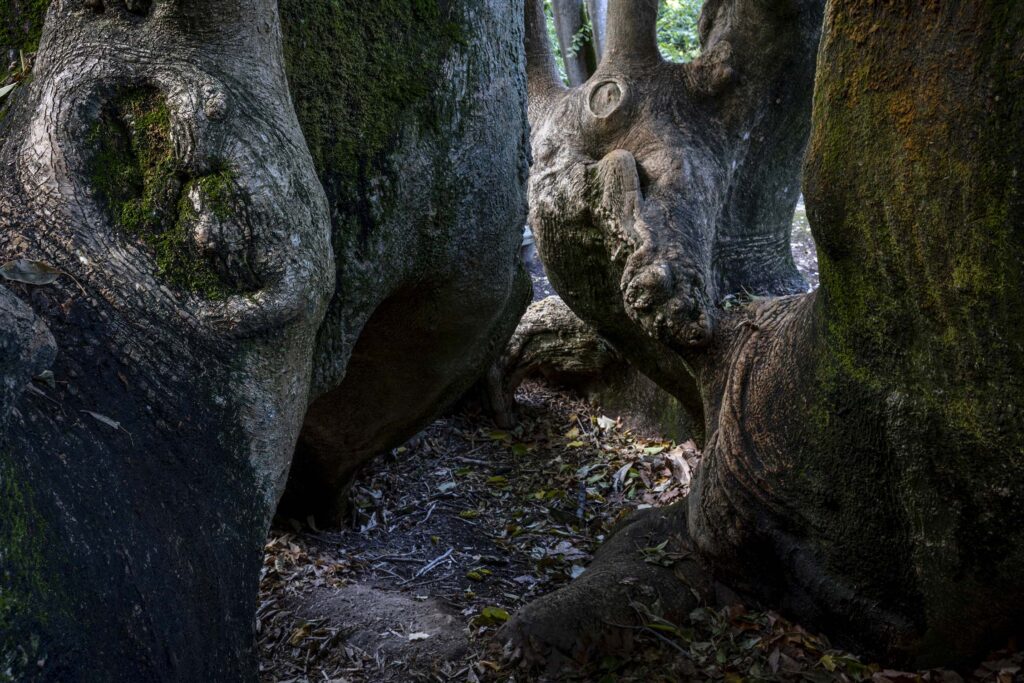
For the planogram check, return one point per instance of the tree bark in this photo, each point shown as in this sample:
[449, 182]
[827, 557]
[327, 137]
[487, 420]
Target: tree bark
[883, 503]
[423, 153]
[194, 240]
[580, 60]
[551, 342]
[597, 10]
[156, 160]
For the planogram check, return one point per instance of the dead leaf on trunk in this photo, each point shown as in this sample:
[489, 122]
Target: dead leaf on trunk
[29, 272]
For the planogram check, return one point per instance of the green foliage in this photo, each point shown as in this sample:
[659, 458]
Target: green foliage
[677, 29]
[677, 32]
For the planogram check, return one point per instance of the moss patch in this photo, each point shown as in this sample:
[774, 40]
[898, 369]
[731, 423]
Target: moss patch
[358, 71]
[21, 25]
[23, 584]
[913, 183]
[135, 171]
[360, 75]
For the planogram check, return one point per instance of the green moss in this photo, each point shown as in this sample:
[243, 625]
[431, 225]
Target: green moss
[361, 74]
[358, 71]
[21, 25]
[146, 190]
[914, 188]
[23, 581]
[219, 190]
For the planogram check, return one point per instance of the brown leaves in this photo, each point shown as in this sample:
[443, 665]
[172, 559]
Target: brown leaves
[29, 272]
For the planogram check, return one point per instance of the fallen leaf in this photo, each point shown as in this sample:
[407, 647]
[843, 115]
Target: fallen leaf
[492, 616]
[419, 635]
[103, 418]
[29, 272]
[7, 89]
[619, 480]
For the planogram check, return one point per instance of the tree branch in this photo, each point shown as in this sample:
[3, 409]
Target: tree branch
[543, 81]
[632, 30]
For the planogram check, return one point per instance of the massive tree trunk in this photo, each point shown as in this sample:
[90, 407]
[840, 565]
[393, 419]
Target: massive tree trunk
[422, 148]
[193, 237]
[864, 466]
[155, 158]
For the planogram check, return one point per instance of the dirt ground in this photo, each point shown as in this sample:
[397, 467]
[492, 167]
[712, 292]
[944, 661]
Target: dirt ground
[456, 530]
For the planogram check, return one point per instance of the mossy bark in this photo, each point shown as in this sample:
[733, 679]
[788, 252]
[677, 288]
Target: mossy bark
[21, 26]
[138, 481]
[156, 160]
[898, 488]
[421, 146]
[916, 195]
[864, 470]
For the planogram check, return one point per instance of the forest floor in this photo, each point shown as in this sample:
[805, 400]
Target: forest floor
[453, 532]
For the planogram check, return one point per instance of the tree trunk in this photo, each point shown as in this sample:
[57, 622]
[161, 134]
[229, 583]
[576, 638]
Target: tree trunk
[422, 149]
[138, 487]
[597, 10]
[579, 56]
[864, 466]
[551, 342]
[156, 160]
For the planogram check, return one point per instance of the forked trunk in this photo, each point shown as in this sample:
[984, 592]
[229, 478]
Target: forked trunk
[864, 469]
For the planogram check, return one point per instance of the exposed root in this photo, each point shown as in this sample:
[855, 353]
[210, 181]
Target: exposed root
[645, 573]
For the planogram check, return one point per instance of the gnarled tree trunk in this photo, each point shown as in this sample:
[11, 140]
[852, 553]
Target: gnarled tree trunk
[864, 466]
[155, 158]
[193, 237]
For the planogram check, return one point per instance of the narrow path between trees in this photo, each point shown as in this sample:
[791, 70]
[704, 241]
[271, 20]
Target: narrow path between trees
[466, 523]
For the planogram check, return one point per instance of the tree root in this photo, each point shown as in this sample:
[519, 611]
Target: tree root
[646, 572]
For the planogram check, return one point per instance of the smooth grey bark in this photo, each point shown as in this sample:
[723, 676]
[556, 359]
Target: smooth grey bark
[189, 322]
[580, 60]
[597, 10]
[430, 284]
